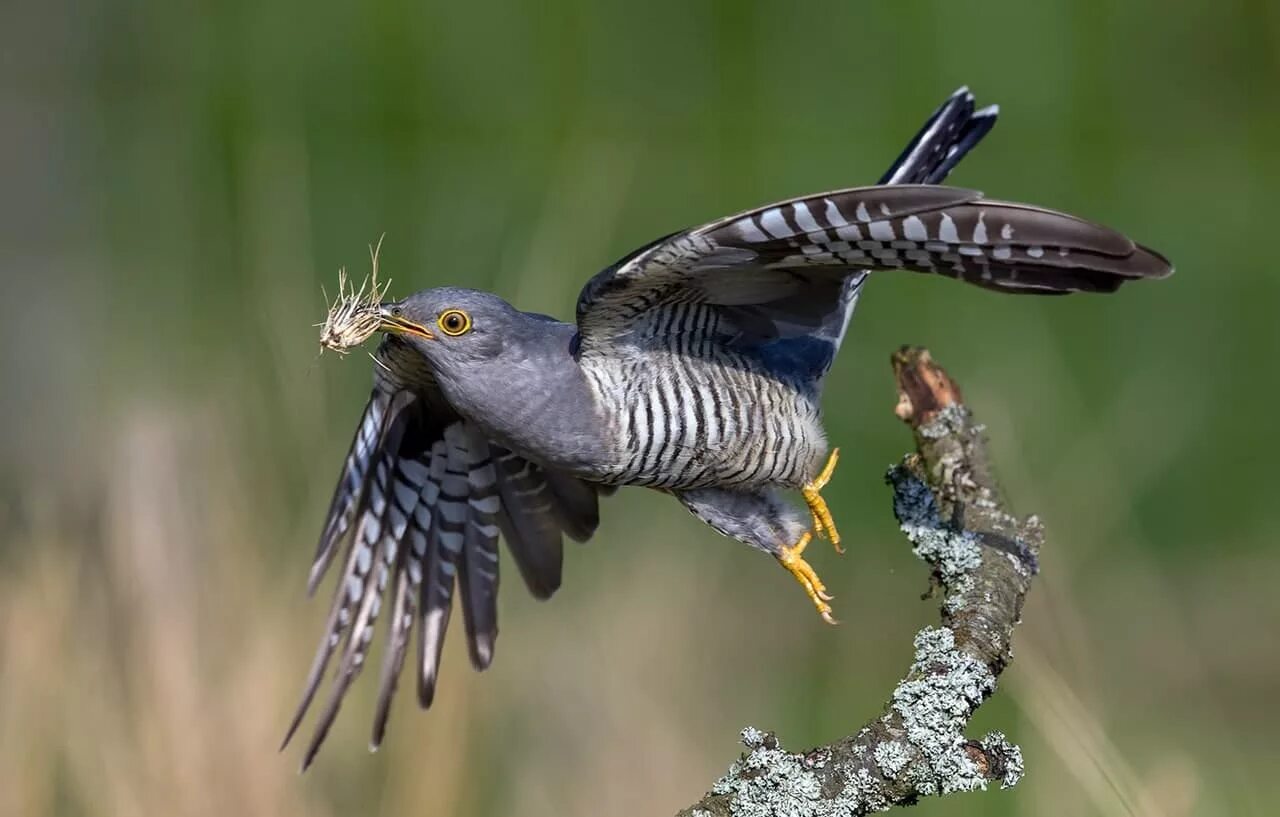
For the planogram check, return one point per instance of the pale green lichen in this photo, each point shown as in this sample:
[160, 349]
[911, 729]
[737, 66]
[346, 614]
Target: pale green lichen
[946, 686]
[771, 782]
[859, 749]
[930, 752]
[918, 748]
[953, 554]
[949, 420]
[753, 738]
[995, 744]
[892, 757]
[870, 792]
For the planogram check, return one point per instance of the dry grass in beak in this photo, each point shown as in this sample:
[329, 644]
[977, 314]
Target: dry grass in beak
[353, 314]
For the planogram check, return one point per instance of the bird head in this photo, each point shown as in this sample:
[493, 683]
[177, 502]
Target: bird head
[450, 326]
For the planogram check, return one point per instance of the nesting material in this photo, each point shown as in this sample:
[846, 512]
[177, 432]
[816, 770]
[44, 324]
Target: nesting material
[353, 314]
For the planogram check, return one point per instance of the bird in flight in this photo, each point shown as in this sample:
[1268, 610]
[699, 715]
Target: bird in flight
[695, 367]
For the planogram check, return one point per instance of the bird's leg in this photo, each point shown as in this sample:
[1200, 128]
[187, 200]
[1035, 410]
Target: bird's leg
[823, 524]
[793, 560]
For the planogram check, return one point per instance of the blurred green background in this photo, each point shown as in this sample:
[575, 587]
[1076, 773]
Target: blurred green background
[180, 178]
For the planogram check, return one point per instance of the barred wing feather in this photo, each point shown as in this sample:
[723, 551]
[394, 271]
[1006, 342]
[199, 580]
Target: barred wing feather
[419, 505]
[785, 266]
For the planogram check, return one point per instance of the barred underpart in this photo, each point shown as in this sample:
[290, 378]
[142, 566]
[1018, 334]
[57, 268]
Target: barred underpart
[707, 350]
[694, 417]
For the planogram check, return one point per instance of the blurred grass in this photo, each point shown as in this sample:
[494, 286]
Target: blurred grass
[180, 178]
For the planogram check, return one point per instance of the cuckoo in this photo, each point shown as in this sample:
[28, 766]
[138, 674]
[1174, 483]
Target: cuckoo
[694, 367]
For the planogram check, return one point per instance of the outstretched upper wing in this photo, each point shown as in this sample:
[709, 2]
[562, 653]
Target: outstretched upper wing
[793, 270]
[420, 503]
[776, 272]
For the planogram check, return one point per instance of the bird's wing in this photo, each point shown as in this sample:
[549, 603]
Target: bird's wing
[782, 271]
[793, 271]
[422, 497]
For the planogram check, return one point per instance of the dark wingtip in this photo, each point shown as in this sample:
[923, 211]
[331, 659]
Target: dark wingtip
[379, 734]
[313, 748]
[392, 664]
[542, 588]
[426, 692]
[325, 551]
[482, 650]
[293, 725]
[288, 736]
[323, 726]
[316, 576]
[314, 676]
[1152, 264]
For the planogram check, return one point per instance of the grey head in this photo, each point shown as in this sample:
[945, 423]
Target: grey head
[474, 339]
[510, 371]
[455, 328]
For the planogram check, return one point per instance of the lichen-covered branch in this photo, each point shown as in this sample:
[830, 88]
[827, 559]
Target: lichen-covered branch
[983, 559]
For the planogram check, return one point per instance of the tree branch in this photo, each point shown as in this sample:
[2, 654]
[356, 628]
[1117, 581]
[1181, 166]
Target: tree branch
[983, 558]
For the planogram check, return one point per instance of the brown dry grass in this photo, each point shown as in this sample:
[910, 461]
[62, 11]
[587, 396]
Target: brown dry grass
[149, 662]
[352, 316]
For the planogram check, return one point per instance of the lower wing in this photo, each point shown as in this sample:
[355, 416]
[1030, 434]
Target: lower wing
[420, 505]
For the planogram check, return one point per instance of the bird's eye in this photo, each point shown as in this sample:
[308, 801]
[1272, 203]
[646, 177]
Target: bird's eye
[397, 312]
[454, 322]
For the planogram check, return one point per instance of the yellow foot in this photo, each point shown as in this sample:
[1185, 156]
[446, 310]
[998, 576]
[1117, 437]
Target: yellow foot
[823, 524]
[792, 559]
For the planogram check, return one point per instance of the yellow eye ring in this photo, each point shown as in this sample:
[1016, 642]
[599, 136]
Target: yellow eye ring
[454, 322]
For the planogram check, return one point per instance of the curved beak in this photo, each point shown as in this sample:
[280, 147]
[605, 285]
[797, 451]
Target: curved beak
[400, 325]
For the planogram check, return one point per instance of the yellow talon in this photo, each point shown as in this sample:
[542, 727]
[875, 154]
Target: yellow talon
[823, 524]
[792, 559]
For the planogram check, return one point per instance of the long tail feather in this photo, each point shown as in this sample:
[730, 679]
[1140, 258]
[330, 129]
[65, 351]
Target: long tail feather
[951, 132]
